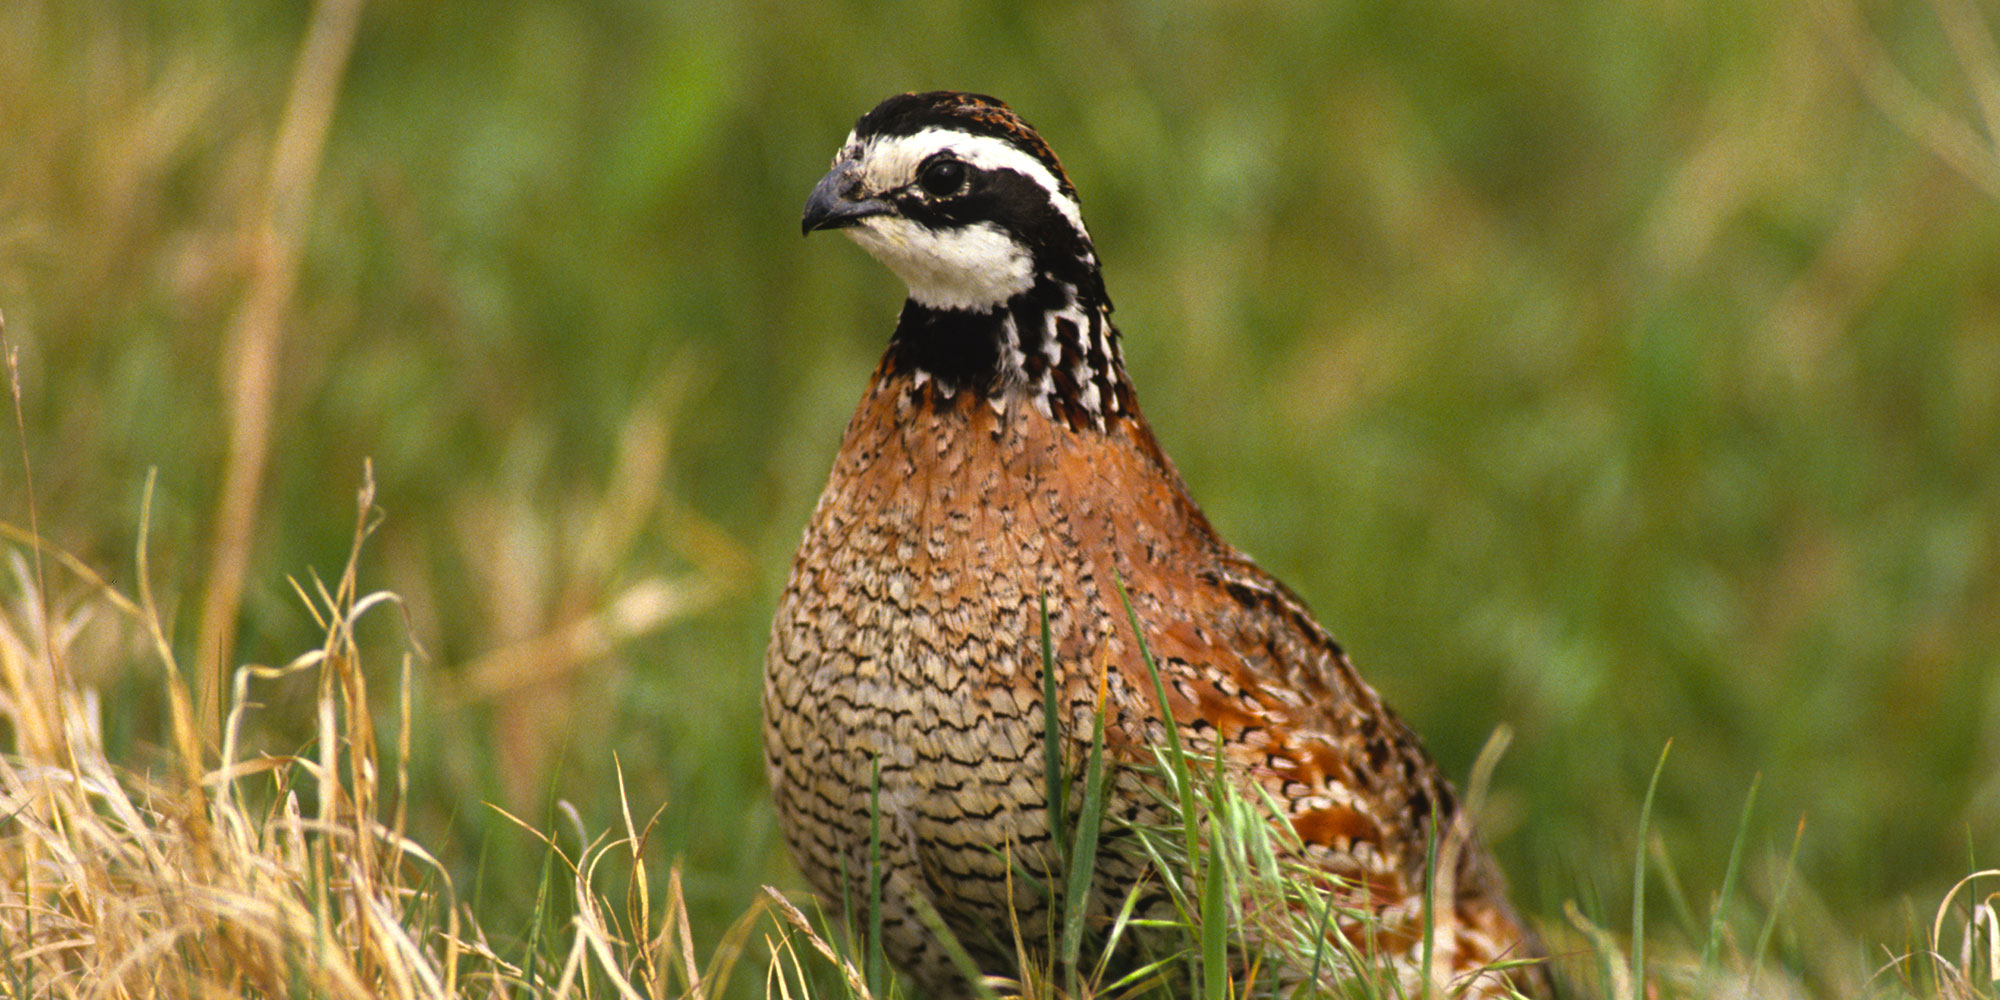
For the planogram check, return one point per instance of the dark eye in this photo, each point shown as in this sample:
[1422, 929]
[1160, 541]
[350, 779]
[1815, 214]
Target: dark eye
[942, 177]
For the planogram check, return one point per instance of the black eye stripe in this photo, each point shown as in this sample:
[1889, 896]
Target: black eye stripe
[1010, 201]
[1003, 196]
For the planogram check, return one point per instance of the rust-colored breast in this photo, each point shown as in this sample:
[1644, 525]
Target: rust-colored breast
[907, 640]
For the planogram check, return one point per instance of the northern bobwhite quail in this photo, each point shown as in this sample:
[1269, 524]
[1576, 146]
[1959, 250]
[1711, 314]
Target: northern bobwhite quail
[999, 454]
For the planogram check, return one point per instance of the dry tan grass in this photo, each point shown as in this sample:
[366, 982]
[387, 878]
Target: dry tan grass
[260, 875]
[1963, 960]
[236, 873]
[253, 874]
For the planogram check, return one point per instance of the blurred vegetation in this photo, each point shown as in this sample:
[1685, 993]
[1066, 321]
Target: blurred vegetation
[1616, 372]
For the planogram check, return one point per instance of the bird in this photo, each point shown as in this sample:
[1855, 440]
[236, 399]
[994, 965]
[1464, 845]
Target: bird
[998, 474]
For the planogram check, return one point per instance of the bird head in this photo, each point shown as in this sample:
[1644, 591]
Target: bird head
[960, 198]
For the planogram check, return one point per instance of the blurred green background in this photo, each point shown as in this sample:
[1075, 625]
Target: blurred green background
[1620, 373]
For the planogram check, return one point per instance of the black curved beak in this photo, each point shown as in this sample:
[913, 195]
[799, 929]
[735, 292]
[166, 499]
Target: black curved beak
[836, 201]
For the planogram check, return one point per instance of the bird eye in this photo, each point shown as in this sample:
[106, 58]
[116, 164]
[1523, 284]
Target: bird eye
[942, 176]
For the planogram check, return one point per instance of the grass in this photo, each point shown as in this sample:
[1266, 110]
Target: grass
[284, 874]
[1618, 373]
[293, 874]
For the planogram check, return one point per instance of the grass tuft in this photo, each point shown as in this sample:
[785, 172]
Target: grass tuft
[258, 874]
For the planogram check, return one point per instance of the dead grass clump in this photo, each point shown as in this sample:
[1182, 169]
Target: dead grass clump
[260, 875]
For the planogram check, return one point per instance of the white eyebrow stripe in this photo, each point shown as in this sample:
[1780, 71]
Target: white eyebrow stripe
[889, 162]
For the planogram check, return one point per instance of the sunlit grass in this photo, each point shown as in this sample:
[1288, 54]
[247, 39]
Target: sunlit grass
[262, 874]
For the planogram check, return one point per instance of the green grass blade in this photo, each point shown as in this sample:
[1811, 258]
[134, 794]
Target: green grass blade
[1118, 926]
[1639, 876]
[1715, 921]
[1055, 779]
[1214, 932]
[1178, 773]
[1215, 895]
[848, 927]
[1083, 862]
[875, 965]
[1176, 756]
[1670, 880]
[541, 913]
[928, 916]
[1184, 907]
[1147, 981]
[1035, 882]
[1430, 900]
[1320, 928]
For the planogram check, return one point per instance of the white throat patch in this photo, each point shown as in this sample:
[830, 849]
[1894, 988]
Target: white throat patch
[974, 268]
